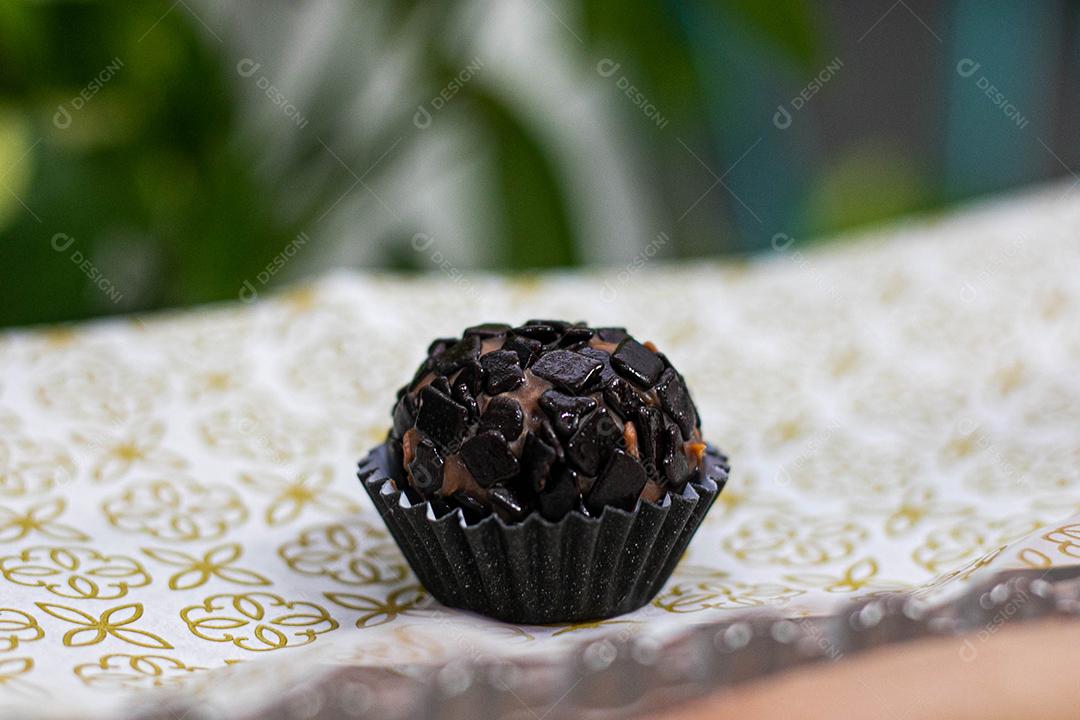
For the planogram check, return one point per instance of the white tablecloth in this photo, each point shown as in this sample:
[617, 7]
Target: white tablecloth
[177, 493]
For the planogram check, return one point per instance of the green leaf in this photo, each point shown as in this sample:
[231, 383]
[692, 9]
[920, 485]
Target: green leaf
[536, 227]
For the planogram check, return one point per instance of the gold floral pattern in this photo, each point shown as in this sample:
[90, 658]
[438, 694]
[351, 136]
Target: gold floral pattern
[17, 627]
[38, 520]
[307, 489]
[258, 431]
[30, 467]
[197, 571]
[119, 452]
[353, 553]
[375, 611]
[791, 540]
[715, 590]
[215, 449]
[135, 672]
[257, 621]
[178, 509]
[74, 572]
[115, 622]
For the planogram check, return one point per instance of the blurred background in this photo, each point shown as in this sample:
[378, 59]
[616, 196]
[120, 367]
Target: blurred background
[160, 154]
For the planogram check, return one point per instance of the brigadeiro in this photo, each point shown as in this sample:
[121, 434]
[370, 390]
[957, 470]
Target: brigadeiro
[549, 472]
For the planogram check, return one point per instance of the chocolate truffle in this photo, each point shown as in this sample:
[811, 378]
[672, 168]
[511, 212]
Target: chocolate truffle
[548, 417]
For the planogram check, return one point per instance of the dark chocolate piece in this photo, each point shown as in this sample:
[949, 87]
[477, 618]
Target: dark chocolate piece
[488, 458]
[472, 377]
[457, 355]
[568, 369]
[607, 374]
[441, 384]
[637, 363]
[426, 469]
[504, 415]
[673, 462]
[575, 336]
[439, 345]
[539, 331]
[560, 496]
[404, 415]
[649, 424]
[611, 334]
[501, 372]
[557, 325]
[537, 457]
[504, 498]
[565, 411]
[588, 448]
[441, 419]
[676, 401]
[526, 348]
[487, 330]
[619, 485]
[622, 398]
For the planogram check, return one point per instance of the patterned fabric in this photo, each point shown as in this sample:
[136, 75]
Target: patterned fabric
[177, 493]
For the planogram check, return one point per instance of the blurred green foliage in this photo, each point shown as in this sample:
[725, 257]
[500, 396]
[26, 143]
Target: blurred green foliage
[123, 140]
[145, 172]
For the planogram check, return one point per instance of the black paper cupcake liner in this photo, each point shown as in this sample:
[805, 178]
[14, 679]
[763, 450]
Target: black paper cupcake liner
[540, 572]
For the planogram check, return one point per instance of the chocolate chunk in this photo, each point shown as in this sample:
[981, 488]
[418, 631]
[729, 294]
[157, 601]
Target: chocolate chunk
[565, 411]
[637, 363]
[546, 433]
[558, 325]
[488, 458]
[568, 369]
[622, 398]
[560, 496]
[421, 373]
[537, 457]
[487, 330]
[587, 449]
[501, 371]
[676, 401]
[504, 498]
[426, 469]
[649, 423]
[606, 372]
[504, 415]
[439, 345]
[619, 485]
[544, 333]
[673, 461]
[457, 355]
[611, 334]
[441, 384]
[404, 415]
[472, 508]
[526, 348]
[461, 395]
[575, 336]
[441, 419]
[472, 377]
